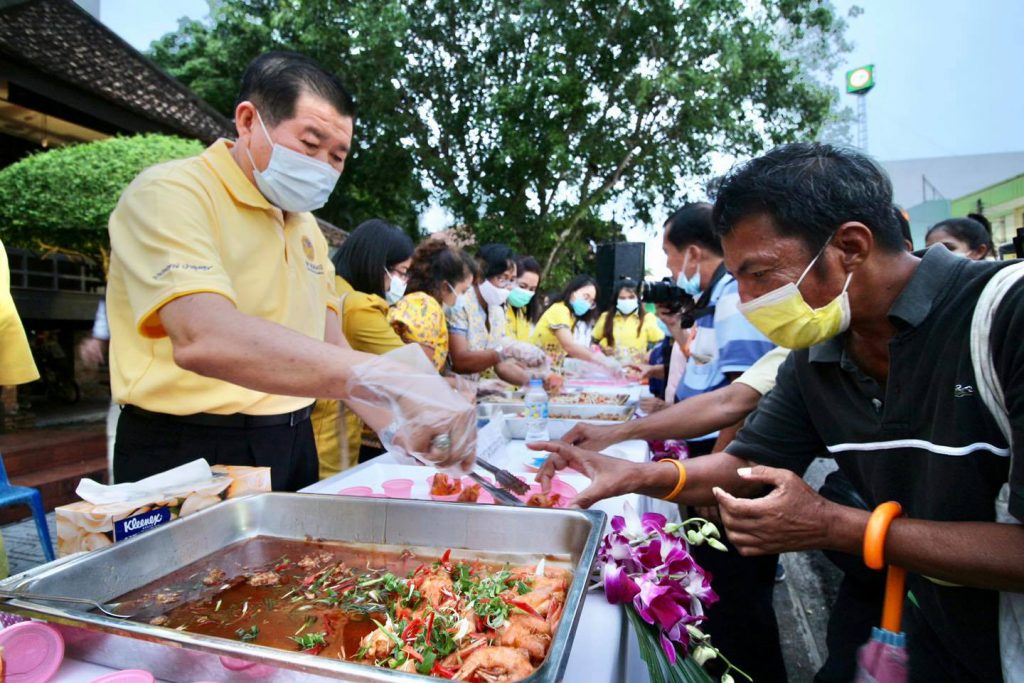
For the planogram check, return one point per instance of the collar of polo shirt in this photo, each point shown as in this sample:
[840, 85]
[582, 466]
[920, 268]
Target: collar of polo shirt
[241, 189]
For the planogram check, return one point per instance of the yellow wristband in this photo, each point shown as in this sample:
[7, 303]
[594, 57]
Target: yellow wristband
[682, 479]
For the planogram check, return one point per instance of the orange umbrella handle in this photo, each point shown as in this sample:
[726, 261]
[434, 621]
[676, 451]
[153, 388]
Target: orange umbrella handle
[874, 557]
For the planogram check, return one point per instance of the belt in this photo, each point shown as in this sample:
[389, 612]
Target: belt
[235, 421]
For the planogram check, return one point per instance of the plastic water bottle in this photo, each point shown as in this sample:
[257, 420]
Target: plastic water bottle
[536, 400]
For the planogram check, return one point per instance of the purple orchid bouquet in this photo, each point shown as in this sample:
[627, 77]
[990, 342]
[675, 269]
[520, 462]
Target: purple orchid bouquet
[646, 567]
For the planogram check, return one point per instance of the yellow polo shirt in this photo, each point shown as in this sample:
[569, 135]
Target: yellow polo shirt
[364, 322]
[16, 364]
[629, 333]
[199, 225]
[517, 324]
[557, 317]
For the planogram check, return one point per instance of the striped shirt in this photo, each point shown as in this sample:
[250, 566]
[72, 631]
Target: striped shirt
[725, 343]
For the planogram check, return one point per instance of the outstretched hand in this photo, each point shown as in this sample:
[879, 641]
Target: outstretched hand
[609, 477]
[791, 517]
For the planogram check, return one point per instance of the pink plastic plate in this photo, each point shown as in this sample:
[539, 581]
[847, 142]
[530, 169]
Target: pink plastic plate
[32, 652]
[127, 676]
[567, 493]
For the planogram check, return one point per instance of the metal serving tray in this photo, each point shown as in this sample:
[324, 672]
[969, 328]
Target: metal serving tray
[561, 411]
[112, 572]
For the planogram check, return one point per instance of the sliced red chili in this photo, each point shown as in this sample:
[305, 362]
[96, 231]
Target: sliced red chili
[525, 607]
[412, 629]
[412, 653]
[442, 672]
[430, 625]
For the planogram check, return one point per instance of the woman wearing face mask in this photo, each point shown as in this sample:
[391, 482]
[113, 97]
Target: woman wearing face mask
[970, 237]
[566, 327]
[371, 270]
[438, 282]
[478, 331]
[523, 304]
[625, 330]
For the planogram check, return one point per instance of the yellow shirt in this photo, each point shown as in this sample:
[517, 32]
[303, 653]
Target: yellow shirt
[631, 338]
[16, 364]
[419, 319]
[364, 322]
[557, 317]
[199, 225]
[761, 375]
[517, 325]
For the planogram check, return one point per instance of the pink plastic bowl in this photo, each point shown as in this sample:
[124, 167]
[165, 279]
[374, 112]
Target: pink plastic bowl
[398, 488]
[360, 491]
[446, 499]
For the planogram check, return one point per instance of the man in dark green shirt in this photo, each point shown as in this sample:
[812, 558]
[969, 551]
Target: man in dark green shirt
[887, 388]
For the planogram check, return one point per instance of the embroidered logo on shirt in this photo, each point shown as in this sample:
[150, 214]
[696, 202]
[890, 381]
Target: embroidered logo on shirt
[307, 249]
[963, 390]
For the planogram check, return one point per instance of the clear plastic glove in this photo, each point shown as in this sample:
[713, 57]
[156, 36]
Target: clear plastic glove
[416, 413]
[611, 363]
[527, 355]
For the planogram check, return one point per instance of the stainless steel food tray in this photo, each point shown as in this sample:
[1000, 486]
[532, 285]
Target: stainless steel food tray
[109, 573]
[562, 412]
[517, 427]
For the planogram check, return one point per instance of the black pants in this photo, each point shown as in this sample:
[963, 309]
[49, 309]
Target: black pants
[742, 623]
[147, 445]
[858, 604]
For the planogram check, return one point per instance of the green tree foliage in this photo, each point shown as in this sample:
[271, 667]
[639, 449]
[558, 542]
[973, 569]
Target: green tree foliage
[362, 42]
[63, 197]
[545, 125]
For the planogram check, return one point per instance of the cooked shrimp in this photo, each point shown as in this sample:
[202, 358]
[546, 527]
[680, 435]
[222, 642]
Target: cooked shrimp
[496, 665]
[526, 632]
[377, 644]
[545, 593]
[437, 588]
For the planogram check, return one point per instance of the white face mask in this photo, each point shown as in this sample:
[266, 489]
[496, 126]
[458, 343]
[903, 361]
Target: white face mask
[396, 290]
[494, 296]
[293, 181]
[460, 301]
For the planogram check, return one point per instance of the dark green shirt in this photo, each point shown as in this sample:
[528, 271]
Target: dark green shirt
[924, 439]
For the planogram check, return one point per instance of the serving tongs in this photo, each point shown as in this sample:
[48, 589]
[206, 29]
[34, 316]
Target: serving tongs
[499, 494]
[505, 479]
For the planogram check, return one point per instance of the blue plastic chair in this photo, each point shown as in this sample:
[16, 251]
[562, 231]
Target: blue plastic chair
[24, 495]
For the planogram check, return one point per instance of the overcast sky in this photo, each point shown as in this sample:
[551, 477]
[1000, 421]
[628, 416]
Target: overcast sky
[948, 74]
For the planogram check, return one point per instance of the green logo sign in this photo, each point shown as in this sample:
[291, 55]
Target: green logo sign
[861, 79]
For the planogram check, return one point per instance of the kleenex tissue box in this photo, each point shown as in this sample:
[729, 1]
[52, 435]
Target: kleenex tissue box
[109, 514]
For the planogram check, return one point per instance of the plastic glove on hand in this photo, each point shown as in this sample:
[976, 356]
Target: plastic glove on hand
[527, 355]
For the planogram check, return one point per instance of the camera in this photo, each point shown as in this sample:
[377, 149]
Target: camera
[670, 295]
[665, 293]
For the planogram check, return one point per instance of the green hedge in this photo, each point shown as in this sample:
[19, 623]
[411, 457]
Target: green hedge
[63, 197]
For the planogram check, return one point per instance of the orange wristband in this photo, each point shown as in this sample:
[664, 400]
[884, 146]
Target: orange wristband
[877, 530]
[680, 483]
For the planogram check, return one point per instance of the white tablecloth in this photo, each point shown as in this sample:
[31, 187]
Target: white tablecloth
[604, 650]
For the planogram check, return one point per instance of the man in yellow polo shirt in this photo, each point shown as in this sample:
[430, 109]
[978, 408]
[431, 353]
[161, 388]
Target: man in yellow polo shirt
[221, 296]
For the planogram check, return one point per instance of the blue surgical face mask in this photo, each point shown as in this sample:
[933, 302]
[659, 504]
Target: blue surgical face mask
[690, 285]
[396, 290]
[581, 307]
[293, 181]
[627, 306]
